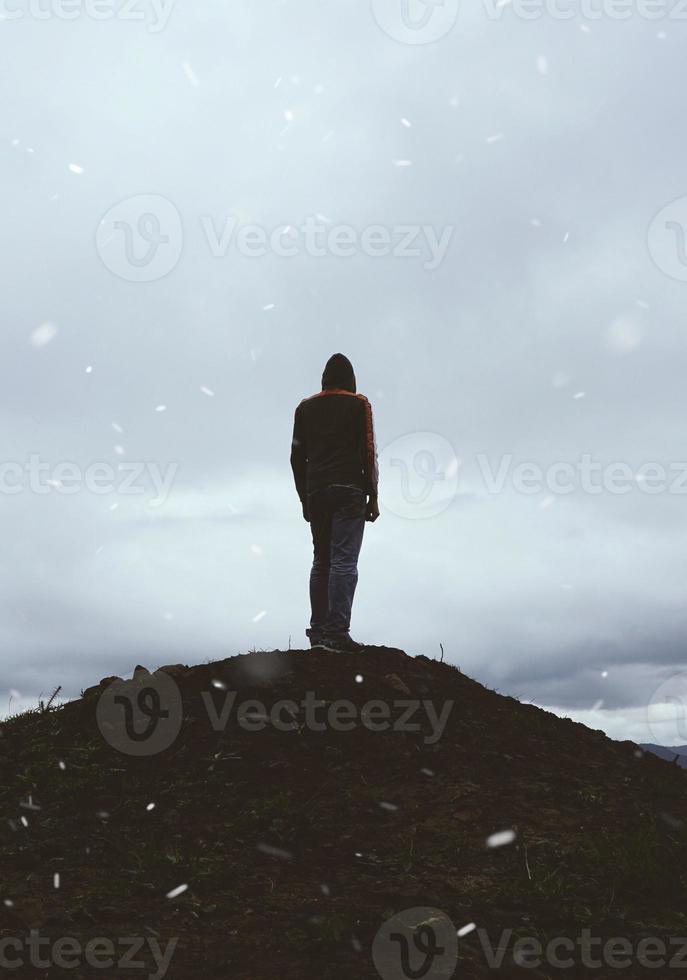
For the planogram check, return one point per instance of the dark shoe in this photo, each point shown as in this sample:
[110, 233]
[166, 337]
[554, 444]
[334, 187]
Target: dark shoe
[342, 644]
[315, 638]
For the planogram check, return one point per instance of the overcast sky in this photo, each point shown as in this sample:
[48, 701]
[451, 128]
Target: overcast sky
[146, 321]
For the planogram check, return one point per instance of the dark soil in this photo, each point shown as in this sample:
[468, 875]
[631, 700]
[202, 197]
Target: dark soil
[298, 845]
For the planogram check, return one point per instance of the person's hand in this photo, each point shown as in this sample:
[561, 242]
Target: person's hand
[306, 515]
[372, 510]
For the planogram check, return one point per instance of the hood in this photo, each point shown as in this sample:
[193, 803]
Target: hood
[338, 373]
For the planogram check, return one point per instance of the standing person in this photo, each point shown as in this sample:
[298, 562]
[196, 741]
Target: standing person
[334, 463]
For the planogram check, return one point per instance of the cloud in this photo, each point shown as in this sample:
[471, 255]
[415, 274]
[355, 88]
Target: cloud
[547, 291]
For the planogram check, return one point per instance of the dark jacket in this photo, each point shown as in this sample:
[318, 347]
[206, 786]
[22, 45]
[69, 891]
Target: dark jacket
[333, 435]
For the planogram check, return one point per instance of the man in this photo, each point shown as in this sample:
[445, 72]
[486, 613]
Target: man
[334, 462]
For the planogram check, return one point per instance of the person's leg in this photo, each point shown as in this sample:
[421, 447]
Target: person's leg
[321, 526]
[347, 526]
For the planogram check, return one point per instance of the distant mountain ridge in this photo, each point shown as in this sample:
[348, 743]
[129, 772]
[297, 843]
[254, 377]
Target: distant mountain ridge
[667, 752]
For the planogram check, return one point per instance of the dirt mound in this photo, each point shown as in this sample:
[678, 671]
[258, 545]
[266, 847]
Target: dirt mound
[305, 814]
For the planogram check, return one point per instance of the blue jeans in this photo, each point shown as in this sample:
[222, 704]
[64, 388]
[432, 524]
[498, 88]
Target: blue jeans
[337, 521]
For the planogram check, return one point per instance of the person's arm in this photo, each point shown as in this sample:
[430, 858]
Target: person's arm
[369, 460]
[299, 460]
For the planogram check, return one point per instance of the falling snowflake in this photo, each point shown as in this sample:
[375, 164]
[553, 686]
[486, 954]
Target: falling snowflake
[43, 335]
[190, 74]
[276, 852]
[560, 379]
[624, 335]
[501, 838]
[175, 892]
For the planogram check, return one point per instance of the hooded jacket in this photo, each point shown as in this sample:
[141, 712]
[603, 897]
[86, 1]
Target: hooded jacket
[333, 435]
